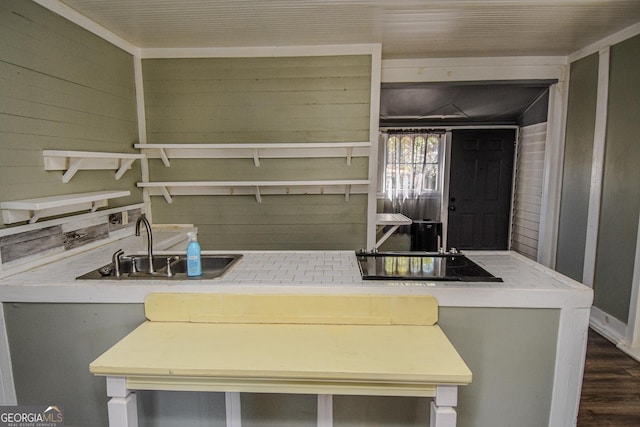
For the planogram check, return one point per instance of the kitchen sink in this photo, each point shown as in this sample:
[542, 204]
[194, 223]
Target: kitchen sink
[166, 267]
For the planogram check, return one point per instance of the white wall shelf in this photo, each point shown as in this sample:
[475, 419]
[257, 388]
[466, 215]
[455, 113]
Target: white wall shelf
[33, 209]
[255, 151]
[255, 188]
[73, 161]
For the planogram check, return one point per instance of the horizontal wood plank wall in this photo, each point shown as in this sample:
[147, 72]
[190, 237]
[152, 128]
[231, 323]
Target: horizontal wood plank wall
[528, 191]
[266, 100]
[61, 88]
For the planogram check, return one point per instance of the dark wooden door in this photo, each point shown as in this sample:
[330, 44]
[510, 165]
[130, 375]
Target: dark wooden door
[480, 188]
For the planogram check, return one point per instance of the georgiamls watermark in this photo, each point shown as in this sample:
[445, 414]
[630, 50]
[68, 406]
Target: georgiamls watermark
[31, 416]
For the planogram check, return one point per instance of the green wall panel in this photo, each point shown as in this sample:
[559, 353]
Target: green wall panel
[230, 100]
[578, 154]
[284, 221]
[51, 347]
[244, 100]
[270, 169]
[618, 230]
[510, 351]
[61, 88]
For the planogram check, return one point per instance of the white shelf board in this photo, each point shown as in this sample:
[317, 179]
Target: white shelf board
[392, 219]
[255, 188]
[73, 161]
[255, 151]
[34, 209]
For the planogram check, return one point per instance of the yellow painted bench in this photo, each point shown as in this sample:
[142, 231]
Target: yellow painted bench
[312, 344]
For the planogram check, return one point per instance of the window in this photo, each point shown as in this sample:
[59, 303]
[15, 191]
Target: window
[412, 164]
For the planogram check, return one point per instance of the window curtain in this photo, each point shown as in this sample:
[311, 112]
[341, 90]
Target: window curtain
[412, 174]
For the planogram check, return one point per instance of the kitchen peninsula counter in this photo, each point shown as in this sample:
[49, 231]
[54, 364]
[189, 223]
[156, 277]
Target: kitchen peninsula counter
[525, 283]
[523, 338]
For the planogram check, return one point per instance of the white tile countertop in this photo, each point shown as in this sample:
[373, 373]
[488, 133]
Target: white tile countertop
[526, 283]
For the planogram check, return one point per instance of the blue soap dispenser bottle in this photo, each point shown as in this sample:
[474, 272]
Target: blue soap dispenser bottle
[194, 264]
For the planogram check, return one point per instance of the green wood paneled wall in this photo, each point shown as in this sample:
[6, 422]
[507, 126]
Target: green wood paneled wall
[241, 100]
[578, 154]
[620, 206]
[61, 88]
[511, 352]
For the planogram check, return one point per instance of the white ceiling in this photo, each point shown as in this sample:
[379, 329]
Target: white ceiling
[406, 28]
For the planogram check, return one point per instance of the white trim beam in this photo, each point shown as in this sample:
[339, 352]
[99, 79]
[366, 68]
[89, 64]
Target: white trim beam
[597, 169]
[142, 129]
[569, 362]
[473, 69]
[374, 131]
[260, 51]
[553, 168]
[7, 388]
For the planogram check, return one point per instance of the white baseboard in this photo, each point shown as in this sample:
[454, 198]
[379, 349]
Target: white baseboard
[632, 352]
[607, 326]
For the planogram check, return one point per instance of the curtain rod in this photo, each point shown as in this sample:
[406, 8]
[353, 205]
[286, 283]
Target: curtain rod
[414, 130]
[449, 128]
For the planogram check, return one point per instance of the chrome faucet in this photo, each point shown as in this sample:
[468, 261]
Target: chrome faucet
[143, 219]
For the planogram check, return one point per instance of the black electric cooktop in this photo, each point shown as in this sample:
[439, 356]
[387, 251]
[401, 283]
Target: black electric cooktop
[422, 266]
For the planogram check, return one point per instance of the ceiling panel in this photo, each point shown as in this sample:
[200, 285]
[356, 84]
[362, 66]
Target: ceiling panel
[406, 28]
[446, 104]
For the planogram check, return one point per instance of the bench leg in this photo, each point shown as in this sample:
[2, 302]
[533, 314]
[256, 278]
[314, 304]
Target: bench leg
[325, 410]
[443, 413]
[232, 405]
[122, 407]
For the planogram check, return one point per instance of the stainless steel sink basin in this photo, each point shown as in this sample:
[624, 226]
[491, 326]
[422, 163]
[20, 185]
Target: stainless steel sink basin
[167, 267]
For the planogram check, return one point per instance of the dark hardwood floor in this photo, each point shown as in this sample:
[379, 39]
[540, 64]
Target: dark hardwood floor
[611, 386]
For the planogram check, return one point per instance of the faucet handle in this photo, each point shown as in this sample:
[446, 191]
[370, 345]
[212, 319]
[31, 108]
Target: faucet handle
[134, 266]
[117, 254]
[115, 258]
[170, 260]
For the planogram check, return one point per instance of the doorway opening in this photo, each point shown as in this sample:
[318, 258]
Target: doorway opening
[475, 122]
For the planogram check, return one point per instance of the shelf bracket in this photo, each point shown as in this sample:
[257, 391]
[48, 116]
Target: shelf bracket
[164, 157]
[256, 157]
[166, 194]
[258, 195]
[74, 165]
[347, 192]
[349, 155]
[71, 162]
[36, 216]
[125, 164]
[41, 213]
